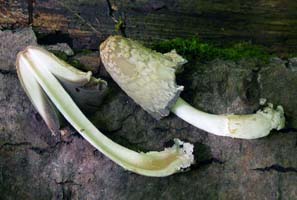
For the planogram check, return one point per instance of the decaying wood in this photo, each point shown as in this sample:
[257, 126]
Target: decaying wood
[87, 22]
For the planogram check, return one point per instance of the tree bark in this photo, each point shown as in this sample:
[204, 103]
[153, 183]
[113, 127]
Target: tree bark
[87, 22]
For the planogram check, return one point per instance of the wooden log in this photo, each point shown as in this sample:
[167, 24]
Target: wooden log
[87, 22]
[13, 14]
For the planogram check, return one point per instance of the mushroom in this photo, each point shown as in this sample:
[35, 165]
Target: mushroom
[86, 90]
[40, 72]
[148, 77]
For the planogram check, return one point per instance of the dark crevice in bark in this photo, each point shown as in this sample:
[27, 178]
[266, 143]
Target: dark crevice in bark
[252, 86]
[210, 161]
[54, 38]
[277, 168]
[120, 22]
[160, 129]
[135, 146]
[288, 130]
[30, 11]
[50, 149]
[77, 135]
[207, 162]
[287, 64]
[14, 144]
[204, 157]
[109, 7]
[4, 72]
[66, 188]
[69, 182]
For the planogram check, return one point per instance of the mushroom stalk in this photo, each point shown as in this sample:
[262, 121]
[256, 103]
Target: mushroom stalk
[38, 71]
[148, 77]
[249, 126]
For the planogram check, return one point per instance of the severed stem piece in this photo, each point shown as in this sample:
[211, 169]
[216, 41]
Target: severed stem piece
[250, 126]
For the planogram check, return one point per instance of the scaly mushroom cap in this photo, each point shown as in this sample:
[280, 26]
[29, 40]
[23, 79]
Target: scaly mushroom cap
[147, 76]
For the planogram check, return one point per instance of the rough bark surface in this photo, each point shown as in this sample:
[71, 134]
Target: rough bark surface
[12, 43]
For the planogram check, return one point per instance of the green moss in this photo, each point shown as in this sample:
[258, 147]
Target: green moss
[120, 25]
[75, 63]
[72, 61]
[61, 55]
[84, 51]
[196, 49]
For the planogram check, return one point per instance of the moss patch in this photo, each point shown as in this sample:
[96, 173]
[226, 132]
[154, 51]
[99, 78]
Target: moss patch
[70, 60]
[60, 54]
[196, 49]
[83, 51]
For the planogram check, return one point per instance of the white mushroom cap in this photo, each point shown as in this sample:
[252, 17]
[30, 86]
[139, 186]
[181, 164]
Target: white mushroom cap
[147, 76]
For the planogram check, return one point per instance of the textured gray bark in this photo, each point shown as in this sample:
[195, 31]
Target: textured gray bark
[11, 43]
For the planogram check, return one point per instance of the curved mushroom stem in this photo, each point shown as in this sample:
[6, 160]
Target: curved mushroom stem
[153, 163]
[250, 126]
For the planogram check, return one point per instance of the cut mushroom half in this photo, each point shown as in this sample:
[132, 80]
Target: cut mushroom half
[86, 90]
[148, 77]
[40, 73]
